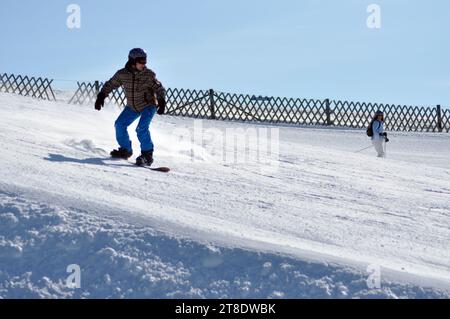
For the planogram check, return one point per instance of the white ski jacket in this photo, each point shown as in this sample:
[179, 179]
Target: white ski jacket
[377, 128]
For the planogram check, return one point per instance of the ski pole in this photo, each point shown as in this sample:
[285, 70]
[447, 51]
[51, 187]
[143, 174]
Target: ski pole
[364, 149]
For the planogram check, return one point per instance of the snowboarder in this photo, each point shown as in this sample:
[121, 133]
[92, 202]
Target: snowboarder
[378, 135]
[145, 96]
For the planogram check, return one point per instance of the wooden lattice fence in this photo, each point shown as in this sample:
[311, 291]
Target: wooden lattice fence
[210, 104]
[36, 87]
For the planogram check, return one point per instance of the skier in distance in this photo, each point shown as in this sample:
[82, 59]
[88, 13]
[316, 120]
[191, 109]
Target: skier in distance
[379, 136]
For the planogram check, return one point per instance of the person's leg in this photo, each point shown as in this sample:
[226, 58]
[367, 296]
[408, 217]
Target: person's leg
[378, 144]
[124, 120]
[143, 131]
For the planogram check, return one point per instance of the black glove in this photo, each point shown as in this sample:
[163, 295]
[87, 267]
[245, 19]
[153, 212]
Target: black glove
[100, 102]
[161, 106]
[383, 134]
[386, 140]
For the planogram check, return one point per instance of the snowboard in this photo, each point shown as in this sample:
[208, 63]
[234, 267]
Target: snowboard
[156, 169]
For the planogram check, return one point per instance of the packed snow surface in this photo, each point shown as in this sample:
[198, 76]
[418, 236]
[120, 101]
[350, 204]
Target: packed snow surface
[304, 221]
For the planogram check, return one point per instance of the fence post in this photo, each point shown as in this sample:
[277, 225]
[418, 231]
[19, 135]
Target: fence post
[97, 87]
[328, 112]
[439, 118]
[51, 90]
[212, 104]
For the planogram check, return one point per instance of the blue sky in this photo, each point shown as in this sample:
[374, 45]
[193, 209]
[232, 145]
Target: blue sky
[292, 48]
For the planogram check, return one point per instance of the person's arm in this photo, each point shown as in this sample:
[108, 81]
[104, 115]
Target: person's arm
[158, 88]
[378, 129]
[114, 83]
[160, 93]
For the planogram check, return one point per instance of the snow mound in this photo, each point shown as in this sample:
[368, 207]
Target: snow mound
[119, 260]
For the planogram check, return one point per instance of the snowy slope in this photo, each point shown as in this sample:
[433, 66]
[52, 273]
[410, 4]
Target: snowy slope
[309, 228]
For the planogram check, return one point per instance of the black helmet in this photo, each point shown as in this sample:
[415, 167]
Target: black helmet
[378, 113]
[137, 54]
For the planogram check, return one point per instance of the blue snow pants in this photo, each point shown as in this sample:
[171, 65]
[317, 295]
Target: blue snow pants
[125, 119]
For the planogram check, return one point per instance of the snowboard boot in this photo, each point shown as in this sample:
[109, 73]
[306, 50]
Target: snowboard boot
[146, 159]
[121, 153]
